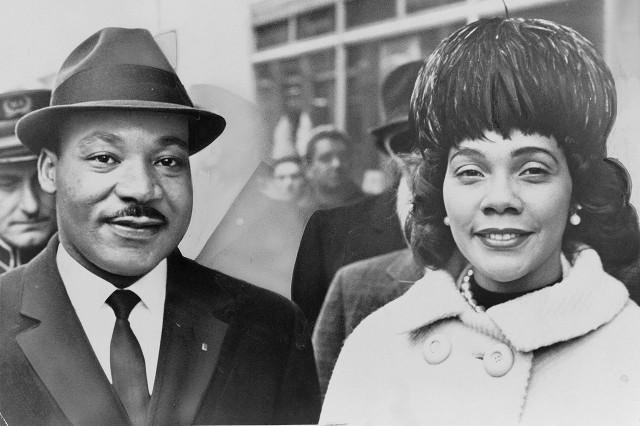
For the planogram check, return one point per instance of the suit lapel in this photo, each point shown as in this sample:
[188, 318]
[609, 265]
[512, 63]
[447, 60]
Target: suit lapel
[191, 342]
[59, 351]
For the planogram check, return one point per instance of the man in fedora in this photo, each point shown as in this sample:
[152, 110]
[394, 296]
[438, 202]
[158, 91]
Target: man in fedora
[110, 324]
[27, 214]
[336, 237]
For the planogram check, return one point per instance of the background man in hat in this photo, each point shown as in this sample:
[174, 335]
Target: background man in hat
[337, 237]
[27, 214]
[110, 324]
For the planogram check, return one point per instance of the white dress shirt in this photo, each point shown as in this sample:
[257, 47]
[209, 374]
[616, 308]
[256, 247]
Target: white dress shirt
[88, 294]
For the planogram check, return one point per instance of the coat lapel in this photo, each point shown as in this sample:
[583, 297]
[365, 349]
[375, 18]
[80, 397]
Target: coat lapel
[191, 340]
[59, 351]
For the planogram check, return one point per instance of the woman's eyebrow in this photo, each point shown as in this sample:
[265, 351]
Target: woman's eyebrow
[469, 152]
[529, 150]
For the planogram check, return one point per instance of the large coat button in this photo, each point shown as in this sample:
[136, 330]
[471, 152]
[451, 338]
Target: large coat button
[436, 349]
[498, 360]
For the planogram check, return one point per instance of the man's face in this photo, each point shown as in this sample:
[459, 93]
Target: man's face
[288, 179]
[27, 213]
[123, 185]
[330, 164]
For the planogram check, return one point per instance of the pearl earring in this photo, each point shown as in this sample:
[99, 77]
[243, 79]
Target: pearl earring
[575, 219]
[446, 221]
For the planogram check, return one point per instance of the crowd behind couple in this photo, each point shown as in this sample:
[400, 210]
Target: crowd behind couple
[490, 285]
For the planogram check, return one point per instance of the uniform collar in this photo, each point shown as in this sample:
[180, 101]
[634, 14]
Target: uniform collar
[586, 298]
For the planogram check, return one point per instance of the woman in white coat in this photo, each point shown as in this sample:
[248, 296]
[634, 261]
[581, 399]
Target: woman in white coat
[512, 118]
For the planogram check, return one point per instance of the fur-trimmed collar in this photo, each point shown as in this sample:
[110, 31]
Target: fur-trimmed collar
[585, 299]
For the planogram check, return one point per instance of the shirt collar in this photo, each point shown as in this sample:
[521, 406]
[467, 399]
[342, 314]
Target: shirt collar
[88, 291]
[8, 255]
[586, 298]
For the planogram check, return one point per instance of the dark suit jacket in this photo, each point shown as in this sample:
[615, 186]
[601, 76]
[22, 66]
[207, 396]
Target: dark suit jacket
[356, 291]
[336, 237]
[230, 353]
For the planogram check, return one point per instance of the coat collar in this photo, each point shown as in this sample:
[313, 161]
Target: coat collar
[585, 299]
[58, 349]
[60, 353]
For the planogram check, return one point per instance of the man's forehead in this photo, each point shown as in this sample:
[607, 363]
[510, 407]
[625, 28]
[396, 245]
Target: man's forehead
[109, 125]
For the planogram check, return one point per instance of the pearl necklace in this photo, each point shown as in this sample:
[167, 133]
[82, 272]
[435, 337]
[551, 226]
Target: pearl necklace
[465, 290]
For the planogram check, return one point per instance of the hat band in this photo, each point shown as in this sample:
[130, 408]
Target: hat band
[121, 82]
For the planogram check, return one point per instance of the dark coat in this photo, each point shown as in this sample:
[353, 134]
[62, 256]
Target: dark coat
[356, 291]
[336, 237]
[230, 353]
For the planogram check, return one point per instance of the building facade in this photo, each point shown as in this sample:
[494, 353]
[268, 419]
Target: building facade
[328, 57]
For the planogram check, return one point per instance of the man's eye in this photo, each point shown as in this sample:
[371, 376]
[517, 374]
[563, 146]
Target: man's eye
[103, 158]
[169, 162]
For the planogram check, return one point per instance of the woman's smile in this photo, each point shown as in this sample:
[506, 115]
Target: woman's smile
[501, 239]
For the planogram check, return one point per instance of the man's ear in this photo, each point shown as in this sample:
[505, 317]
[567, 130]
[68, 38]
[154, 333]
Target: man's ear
[47, 163]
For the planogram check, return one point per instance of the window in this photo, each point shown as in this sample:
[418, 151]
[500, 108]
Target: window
[418, 5]
[271, 34]
[360, 12]
[302, 84]
[317, 22]
[584, 16]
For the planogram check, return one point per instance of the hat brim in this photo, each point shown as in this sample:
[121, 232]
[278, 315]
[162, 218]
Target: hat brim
[39, 129]
[392, 126]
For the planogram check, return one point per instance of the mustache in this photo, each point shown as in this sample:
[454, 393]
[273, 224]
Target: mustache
[139, 210]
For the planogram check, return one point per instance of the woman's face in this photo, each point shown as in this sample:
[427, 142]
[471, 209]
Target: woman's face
[508, 202]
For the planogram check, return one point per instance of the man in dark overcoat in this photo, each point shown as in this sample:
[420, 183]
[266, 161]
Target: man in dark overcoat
[110, 324]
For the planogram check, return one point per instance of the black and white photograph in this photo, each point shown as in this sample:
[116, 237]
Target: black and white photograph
[319, 212]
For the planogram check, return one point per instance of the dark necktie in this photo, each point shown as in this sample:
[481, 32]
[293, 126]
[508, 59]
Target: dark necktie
[127, 361]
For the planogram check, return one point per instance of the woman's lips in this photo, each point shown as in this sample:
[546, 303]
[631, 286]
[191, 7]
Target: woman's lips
[503, 238]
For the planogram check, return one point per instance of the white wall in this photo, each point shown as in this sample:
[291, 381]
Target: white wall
[36, 36]
[214, 42]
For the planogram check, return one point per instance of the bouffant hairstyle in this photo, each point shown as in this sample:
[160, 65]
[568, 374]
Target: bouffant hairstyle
[536, 76]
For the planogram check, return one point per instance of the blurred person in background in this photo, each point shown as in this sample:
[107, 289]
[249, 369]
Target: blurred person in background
[337, 237]
[288, 179]
[27, 213]
[364, 286]
[328, 159]
[512, 117]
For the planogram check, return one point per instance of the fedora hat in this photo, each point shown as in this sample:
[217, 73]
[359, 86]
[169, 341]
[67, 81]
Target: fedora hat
[117, 69]
[395, 94]
[13, 106]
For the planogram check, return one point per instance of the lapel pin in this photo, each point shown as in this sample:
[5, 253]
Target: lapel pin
[205, 347]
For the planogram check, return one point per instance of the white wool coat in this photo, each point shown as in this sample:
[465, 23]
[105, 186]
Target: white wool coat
[565, 354]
